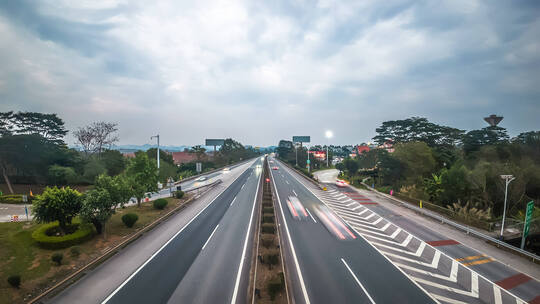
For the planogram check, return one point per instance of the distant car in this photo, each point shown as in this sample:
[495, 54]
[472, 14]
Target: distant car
[258, 166]
[271, 161]
[226, 170]
[341, 183]
[275, 168]
[201, 179]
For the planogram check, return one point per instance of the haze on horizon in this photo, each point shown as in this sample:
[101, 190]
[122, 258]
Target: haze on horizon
[265, 71]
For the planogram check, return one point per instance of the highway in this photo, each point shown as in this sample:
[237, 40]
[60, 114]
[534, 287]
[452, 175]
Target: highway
[330, 270]
[201, 254]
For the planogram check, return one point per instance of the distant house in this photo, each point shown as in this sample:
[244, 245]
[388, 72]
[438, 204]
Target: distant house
[129, 154]
[362, 148]
[183, 157]
[388, 146]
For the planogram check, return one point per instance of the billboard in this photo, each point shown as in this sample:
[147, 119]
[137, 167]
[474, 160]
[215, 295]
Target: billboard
[301, 139]
[214, 142]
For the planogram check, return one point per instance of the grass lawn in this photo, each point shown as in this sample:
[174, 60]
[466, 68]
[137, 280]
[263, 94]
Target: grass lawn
[20, 255]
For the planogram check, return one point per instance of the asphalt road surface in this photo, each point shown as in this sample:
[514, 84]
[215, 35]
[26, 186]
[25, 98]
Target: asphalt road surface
[330, 270]
[200, 255]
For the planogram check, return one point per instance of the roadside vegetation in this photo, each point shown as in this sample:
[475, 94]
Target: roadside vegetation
[454, 172]
[39, 267]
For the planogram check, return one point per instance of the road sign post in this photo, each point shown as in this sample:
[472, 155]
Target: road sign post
[198, 167]
[527, 223]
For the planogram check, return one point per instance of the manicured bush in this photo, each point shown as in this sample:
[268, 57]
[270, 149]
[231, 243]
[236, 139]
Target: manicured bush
[267, 204]
[14, 280]
[160, 203]
[14, 199]
[46, 237]
[57, 258]
[268, 228]
[272, 257]
[267, 240]
[276, 285]
[268, 210]
[75, 251]
[179, 194]
[129, 219]
[267, 218]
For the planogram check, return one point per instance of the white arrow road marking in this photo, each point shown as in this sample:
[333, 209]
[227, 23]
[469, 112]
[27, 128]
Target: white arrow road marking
[453, 273]
[472, 293]
[434, 263]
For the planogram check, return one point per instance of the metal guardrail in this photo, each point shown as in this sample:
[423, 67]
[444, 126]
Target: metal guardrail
[467, 229]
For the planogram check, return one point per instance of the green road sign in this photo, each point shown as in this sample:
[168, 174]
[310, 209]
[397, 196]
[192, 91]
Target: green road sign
[528, 217]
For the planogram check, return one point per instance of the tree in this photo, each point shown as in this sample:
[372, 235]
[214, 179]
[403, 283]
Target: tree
[97, 208]
[49, 126]
[351, 165]
[417, 159]
[118, 187]
[142, 175]
[6, 125]
[60, 175]
[56, 204]
[417, 129]
[163, 156]
[114, 161]
[96, 136]
[492, 135]
[199, 151]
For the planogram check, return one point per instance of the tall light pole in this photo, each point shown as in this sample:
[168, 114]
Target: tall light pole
[308, 164]
[328, 135]
[507, 180]
[152, 137]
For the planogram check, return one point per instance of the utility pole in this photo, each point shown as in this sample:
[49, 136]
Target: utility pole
[507, 179]
[152, 137]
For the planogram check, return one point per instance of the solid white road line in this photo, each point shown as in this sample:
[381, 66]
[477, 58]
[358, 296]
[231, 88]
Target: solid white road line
[165, 245]
[237, 284]
[242, 186]
[311, 215]
[233, 201]
[358, 281]
[287, 182]
[210, 237]
[300, 277]
[294, 193]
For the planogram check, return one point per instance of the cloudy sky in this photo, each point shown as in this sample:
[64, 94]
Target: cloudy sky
[260, 71]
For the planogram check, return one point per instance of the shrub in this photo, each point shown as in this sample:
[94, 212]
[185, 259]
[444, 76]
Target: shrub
[267, 218]
[14, 280]
[46, 238]
[268, 228]
[160, 203]
[75, 251]
[129, 219]
[267, 240]
[267, 204]
[272, 257]
[268, 210]
[179, 194]
[276, 285]
[57, 258]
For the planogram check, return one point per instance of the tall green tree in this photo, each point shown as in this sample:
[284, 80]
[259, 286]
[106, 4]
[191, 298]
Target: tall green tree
[114, 161]
[49, 126]
[142, 174]
[418, 160]
[118, 187]
[163, 156]
[475, 139]
[97, 208]
[417, 129]
[56, 204]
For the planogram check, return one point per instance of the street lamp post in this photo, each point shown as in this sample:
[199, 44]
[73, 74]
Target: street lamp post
[507, 180]
[328, 135]
[152, 137]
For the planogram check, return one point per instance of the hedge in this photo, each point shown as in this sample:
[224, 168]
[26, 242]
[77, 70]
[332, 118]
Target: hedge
[83, 233]
[14, 199]
[276, 285]
[268, 210]
[267, 240]
[267, 218]
[129, 219]
[179, 194]
[268, 228]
